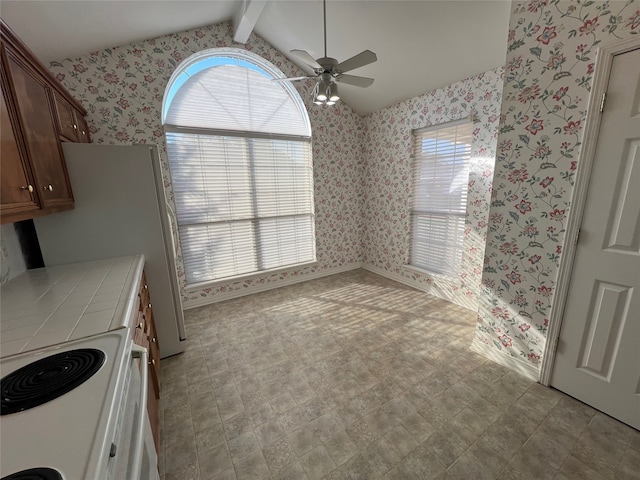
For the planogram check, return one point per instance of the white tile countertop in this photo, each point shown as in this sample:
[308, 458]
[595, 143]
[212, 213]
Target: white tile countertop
[51, 305]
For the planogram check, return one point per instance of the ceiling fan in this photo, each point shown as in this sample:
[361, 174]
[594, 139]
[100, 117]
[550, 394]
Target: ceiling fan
[328, 71]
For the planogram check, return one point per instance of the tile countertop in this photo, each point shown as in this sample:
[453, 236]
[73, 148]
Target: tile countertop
[51, 305]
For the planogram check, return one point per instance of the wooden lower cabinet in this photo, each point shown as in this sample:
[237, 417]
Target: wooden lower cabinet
[144, 334]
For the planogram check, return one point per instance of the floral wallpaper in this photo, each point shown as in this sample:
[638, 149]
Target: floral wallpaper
[361, 165]
[122, 89]
[388, 181]
[550, 61]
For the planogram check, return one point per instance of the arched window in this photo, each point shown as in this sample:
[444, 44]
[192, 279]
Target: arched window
[239, 147]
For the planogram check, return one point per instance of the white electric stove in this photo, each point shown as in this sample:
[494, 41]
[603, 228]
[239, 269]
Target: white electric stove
[76, 411]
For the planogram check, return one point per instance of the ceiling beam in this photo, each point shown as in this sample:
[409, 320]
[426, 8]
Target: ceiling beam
[246, 18]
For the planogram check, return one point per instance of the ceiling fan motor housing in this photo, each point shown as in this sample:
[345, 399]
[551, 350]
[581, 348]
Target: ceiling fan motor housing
[328, 65]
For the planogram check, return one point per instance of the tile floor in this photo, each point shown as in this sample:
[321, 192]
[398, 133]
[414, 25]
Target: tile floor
[354, 376]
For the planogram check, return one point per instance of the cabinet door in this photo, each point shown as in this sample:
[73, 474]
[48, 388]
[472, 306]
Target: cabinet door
[34, 104]
[83, 128]
[17, 191]
[66, 119]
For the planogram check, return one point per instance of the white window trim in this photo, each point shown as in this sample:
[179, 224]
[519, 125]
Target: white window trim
[235, 133]
[407, 266]
[270, 71]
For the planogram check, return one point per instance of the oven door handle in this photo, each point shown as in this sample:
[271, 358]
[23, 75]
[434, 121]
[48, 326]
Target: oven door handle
[140, 352]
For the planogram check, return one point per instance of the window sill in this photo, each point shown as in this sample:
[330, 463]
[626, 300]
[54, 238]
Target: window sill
[248, 276]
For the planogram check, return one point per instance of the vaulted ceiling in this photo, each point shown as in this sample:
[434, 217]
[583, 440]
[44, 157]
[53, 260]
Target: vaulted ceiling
[421, 44]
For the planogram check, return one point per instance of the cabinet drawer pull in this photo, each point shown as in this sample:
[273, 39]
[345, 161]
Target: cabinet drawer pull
[28, 187]
[48, 187]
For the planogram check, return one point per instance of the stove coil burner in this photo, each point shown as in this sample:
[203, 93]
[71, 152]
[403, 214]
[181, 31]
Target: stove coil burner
[48, 378]
[35, 474]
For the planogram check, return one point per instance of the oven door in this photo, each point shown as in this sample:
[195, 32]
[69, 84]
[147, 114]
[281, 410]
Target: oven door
[134, 453]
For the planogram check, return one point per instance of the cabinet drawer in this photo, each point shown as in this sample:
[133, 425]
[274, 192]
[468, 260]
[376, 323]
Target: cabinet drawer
[154, 354]
[138, 330]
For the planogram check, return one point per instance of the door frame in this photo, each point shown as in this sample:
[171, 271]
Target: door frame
[586, 157]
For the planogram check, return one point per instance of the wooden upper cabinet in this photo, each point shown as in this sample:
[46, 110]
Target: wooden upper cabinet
[40, 135]
[66, 119]
[37, 115]
[83, 128]
[18, 195]
[71, 123]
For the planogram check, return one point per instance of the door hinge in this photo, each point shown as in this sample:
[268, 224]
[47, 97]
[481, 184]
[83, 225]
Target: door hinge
[575, 241]
[604, 96]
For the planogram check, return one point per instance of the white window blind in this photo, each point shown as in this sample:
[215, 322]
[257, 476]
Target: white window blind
[241, 167]
[440, 182]
[234, 97]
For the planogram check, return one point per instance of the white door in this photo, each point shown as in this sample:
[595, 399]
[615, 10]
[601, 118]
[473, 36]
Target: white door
[598, 356]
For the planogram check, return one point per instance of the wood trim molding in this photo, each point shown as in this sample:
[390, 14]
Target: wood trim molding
[590, 133]
[9, 37]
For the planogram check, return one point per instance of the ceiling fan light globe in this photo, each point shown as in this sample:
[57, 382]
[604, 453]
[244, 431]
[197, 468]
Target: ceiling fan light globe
[330, 103]
[322, 97]
[332, 92]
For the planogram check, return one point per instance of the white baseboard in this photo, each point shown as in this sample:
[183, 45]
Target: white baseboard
[208, 300]
[393, 276]
[417, 285]
[512, 363]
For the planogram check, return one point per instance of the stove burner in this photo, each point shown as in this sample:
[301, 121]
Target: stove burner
[48, 378]
[35, 474]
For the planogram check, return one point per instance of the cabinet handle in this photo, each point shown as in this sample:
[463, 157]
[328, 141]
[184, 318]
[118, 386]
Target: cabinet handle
[149, 305]
[75, 127]
[28, 187]
[153, 340]
[146, 287]
[139, 325]
[152, 362]
[48, 187]
[83, 132]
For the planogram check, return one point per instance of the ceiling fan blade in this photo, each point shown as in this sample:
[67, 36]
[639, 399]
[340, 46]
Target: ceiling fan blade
[355, 80]
[306, 58]
[357, 61]
[293, 79]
